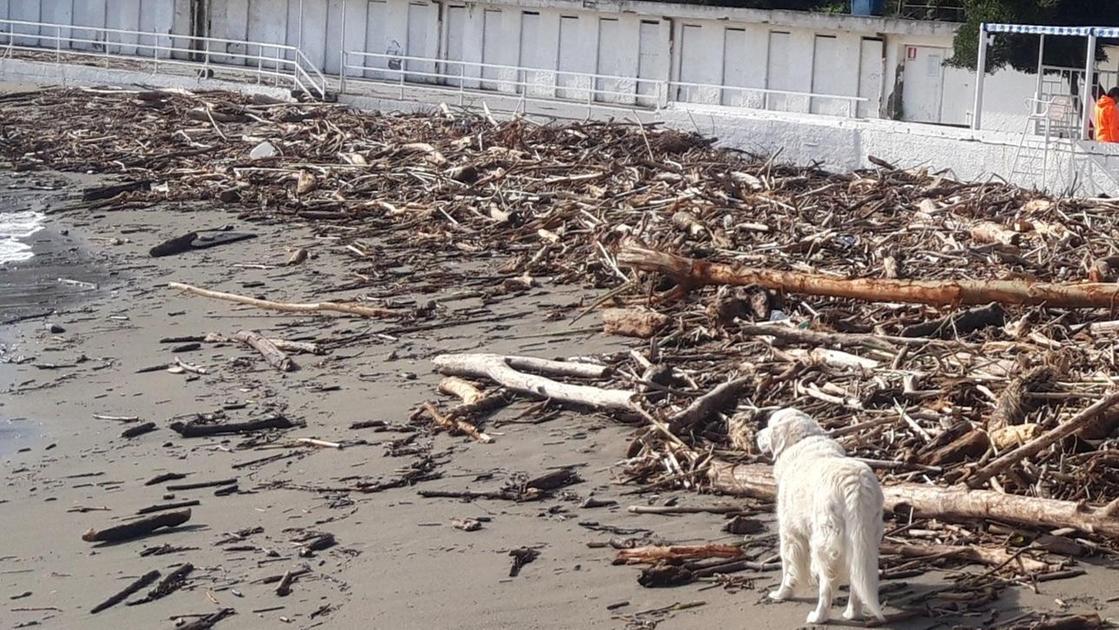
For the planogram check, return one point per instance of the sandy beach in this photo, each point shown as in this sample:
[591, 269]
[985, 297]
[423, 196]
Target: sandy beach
[86, 358]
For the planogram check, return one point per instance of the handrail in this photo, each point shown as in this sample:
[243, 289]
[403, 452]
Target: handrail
[593, 85]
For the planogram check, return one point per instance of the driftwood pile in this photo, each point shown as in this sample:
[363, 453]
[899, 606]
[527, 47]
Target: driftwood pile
[958, 337]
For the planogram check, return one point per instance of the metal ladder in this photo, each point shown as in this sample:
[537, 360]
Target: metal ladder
[1049, 134]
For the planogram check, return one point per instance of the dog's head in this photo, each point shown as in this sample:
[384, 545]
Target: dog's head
[786, 428]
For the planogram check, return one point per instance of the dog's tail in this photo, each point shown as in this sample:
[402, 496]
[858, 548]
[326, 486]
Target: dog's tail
[864, 503]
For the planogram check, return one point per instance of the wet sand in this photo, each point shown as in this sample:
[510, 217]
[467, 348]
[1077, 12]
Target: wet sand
[399, 563]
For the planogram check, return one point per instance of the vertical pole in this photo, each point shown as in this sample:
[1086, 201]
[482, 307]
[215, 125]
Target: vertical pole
[980, 76]
[1040, 67]
[1086, 89]
[342, 47]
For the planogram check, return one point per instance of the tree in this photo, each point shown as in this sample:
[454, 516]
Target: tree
[1020, 51]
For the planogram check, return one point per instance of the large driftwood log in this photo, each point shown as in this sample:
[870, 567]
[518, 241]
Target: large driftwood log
[675, 553]
[505, 371]
[196, 429]
[287, 307]
[977, 555]
[950, 504]
[273, 355]
[137, 528]
[690, 272]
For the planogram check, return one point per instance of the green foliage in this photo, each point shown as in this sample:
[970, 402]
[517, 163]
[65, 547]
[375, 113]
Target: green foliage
[1020, 51]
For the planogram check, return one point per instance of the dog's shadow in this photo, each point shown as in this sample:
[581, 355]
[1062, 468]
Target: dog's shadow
[912, 606]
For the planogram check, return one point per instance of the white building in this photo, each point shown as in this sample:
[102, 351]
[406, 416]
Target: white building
[705, 54]
[816, 87]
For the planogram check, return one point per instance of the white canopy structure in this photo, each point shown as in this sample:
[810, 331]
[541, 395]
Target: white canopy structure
[987, 32]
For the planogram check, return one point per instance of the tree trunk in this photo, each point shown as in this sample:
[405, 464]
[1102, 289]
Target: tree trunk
[690, 272]
[950, 504]
[504, 371]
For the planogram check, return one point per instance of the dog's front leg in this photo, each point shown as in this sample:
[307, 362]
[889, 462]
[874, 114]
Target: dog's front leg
[794, 564]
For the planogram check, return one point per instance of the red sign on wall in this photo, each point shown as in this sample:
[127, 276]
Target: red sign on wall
[911, 52]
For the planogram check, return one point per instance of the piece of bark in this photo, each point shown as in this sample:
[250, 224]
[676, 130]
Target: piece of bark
[173, 246]
[319, 443]
[1013, 436]
[273, 355]
[455, 425]
[521, 557]
[991, 232]
[163, 478]
[119, 597]
[692, 273]
[100, 193]
[283, 589]
[138, 430]
[702, 408]
[1014, 402]
[743, 526]
[675, 553]
[554, 480]
[1044, 441]
[288, 307]
[201, 484]
[503, 370]
[196, 429]
[1101, 426]
[468, 392]
[688, 222]
[971, 445]
[137, 528]
[272, 579]
[163, 507]
[665, 575]
[206, 622]
[891, 268]
[977, 555]
[960, 323]
[741, 430]
[173, 582]
[949, 504]
[299, 256]
[633, 322]
[305, 347]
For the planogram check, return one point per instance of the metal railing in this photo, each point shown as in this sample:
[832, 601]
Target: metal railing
[69, 43]
[766, 98]
[282, 64]
[550, 85]
[465, 77]
[952, 10]
[1063, 83]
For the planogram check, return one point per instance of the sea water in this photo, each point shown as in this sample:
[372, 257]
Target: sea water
[16, 228]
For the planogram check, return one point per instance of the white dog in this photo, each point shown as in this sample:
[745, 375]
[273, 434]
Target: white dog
[829, 511]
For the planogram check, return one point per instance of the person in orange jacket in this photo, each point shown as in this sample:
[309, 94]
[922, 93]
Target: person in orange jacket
[1107, 116]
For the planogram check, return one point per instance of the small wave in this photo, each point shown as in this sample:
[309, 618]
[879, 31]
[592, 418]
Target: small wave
[15, 228]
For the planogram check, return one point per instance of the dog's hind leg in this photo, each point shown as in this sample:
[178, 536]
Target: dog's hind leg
[854, 608]
[794, 565]
[827, 563]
